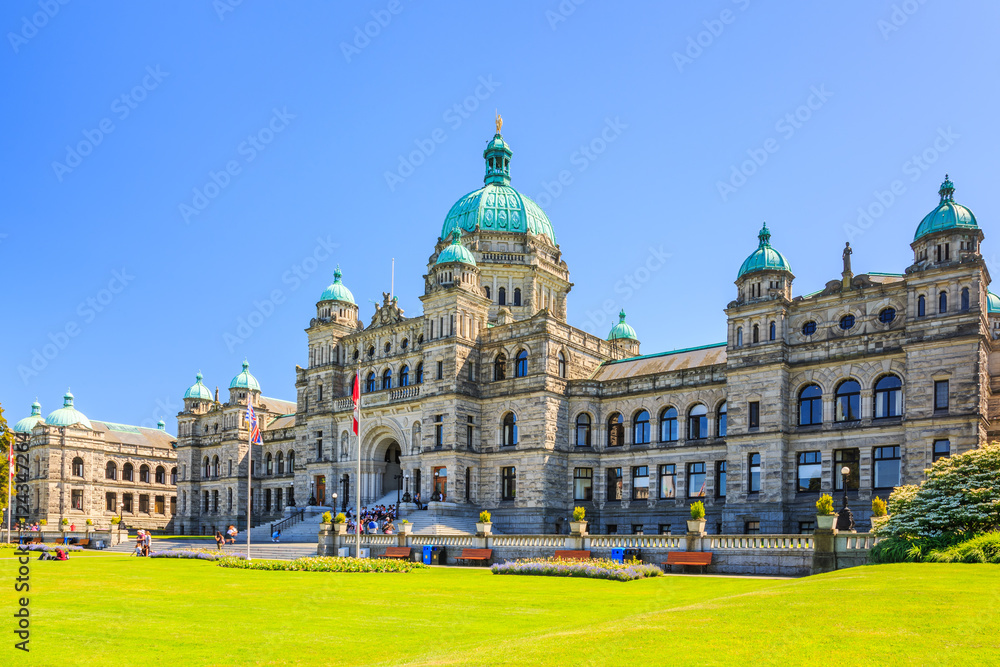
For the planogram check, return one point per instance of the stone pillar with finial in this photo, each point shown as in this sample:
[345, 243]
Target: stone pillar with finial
[847, 276]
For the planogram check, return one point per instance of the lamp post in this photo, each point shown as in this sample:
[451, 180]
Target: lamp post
[406, 480]
[333, 497]
[397, 478]
[312, 493]
[845, 522]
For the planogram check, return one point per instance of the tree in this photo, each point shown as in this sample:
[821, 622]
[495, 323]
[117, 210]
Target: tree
[6, 441]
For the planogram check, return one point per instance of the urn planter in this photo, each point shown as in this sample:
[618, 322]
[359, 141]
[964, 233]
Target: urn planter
[405, 528]
[578, 527]
[484, 529]
[696, 525]
[825, 521]
[340, 529]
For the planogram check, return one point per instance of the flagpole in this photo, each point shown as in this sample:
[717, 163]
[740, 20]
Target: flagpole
[357, 528]
[249, 473]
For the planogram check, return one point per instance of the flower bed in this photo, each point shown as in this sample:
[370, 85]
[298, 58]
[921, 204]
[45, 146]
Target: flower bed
[200, 554]
[325, 564]
[47, 547]
[592, 569]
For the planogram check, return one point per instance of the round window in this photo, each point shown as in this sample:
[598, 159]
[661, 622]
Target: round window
[887, 315]
[809, 328]
[405, 344]
[388, 346]
[356, 355]
[371, 351]
[846, 322]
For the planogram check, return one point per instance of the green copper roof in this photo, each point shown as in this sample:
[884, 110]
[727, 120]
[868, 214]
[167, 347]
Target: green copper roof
[456, 252]
[663, 354]
[497, 206]
[198, 390]
[764, 258]
[245, 380]
[67, 415]
[992, 304]
[622, 330]
[947, 215]
[28, 423]
[336, 291]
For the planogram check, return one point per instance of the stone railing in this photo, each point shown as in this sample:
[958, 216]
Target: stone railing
[503, 257]
[379, 397]
[721, 542]
[542, 541]
[668, 542]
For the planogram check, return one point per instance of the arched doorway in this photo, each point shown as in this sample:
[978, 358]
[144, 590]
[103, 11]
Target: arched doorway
[393, 476]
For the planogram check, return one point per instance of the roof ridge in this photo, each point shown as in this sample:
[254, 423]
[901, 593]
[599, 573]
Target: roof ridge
[665, 354]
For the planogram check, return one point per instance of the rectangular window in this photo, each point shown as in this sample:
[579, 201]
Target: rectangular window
[440, 370]
[720, 479]
[438, 430]
[143, 502]
[614, 481]
[206, 503]
[751, 527]
[508, 483]
[637, 529]
[277, 502]
[940, 394]
[753, 475]
[696, 480]
[173, 504]
[468, 433]
[810, 468]
[849, 458]
[806, 527]
[110, 502]
[886, 467]
[612, 529]
[640, 482]
[664, 528]
[668, 481]
[754, 414]
[267, 500]
[160, 505]
[942, 449]
[127, 502]
[77, 499]
[583, 484]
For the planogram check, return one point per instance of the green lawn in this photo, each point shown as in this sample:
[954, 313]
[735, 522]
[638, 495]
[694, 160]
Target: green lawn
[185, 612]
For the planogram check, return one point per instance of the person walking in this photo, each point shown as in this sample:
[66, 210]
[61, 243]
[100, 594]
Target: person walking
[219, 540]
[232, 534]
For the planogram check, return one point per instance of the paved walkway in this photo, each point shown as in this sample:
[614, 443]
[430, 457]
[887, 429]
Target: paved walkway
[263, 550]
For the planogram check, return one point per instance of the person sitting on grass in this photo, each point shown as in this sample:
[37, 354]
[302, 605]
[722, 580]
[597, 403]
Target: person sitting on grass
[219, 540]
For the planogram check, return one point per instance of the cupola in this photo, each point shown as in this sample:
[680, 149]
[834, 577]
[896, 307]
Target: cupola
[623, 338]
[25, 425]
[68, 415]
[765, 274]
[947, 234]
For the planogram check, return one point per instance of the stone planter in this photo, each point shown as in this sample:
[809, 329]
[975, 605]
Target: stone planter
[696, 526]
[825, 521]
[405, 528]
[339, 528]
[484, 529]
[578, 528]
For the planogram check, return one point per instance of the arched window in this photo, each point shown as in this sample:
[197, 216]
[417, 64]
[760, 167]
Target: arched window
[502, 296]
[583, 430]
[281, 462]
[521, 364]
[562, 365]
[500, 367]
[387, 379]
[616, 430]
[420, 373]
[888, 397]
[291, 461]
[268, 465]
[111, 471]
[370, 385]
[943, 302]
[517, 296]
[848, 401]
[668, 425]
[208, 468]
[721, 420]
[173, 474]
[739, 336]
[965, 299]
[78, 467]
[510, 429]
[771, 333]
[697, 422]
[756, 333]
[319, 391]
[215, 469]
[921, 306]
[810, 405]
[161, 475]
[488, 294]
[144, 472]
[640, 428]
[404, 376]
[127, 471]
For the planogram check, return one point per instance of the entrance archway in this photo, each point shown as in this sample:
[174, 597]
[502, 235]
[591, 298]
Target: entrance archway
[393, 470]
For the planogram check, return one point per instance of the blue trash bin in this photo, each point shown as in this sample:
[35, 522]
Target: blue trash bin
[618, 555]
[428, 553]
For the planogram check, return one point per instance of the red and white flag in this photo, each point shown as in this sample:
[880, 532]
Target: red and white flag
[356, 397]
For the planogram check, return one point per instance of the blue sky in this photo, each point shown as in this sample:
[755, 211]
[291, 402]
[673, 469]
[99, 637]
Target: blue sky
[170, 170]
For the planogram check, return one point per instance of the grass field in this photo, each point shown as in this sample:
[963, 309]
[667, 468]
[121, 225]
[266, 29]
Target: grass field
[109, 608]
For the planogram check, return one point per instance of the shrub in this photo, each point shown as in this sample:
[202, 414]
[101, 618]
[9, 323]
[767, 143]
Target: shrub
[43, 522]
[878, 507]
[698, 511]
[825, 504]
[200, 554]
[484, 517]
[324, 564]
[115, 520]
[90, 522]
[340, 518]
[65, 522]
[579, 514]
[592, 569]
[327, 517]
[980, 549]
[403, 521]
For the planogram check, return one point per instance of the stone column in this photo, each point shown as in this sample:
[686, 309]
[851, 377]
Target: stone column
[824, 551]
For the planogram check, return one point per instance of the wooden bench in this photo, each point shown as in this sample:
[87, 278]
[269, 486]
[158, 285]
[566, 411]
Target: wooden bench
[476, 555]
[697, 558]
[83, 543]
[37, 540]
[398, 552]
[572, 555]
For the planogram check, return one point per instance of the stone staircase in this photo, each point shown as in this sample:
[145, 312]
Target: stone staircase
[306, 530]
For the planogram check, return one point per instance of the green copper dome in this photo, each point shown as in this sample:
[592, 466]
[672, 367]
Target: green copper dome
[67, 415]
[336, 291]
[947, 215]
[622, 330]
[456, 252]
[198, 390]
[28, 423]
[764, 258]
[245, 380]
[497, 206]
[992, 304]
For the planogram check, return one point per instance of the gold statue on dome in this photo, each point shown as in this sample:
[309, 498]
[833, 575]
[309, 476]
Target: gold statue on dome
[499, 122]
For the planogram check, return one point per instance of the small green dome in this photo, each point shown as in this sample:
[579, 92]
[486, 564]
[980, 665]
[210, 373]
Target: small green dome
[336, 291]
[764, 258]
[456, 252]
[947, 215]
[622, 330]
[161, 425]
[198, 390]
[245, 380]
[992, 303]
[67, 415]
[28, 423]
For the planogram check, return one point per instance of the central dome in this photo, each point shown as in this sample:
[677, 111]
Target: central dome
[497, 207]
[67, 415]
[764, 258]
